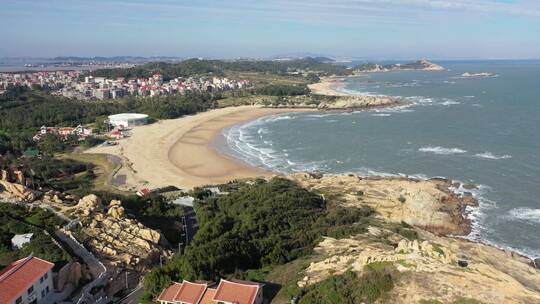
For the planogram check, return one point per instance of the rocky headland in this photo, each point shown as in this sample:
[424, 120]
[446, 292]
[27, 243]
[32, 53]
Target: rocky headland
[434, 266]
[420, 65]
[427, 204]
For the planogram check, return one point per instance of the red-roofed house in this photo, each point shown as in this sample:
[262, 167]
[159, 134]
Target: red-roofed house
[168, 294]
[227, 292]
[26, 281]
[208, 297]
[191, 293]
[238, 292]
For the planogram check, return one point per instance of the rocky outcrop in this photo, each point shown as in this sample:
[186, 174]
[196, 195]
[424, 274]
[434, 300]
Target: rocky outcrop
[427, 204]
[358, 102]
[436, 268]
[116, 210]
[17, 191]
[89, 204]
[123, 241]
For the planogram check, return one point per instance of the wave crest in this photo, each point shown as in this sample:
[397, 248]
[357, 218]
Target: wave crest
[489, 155]
[441, 150]
[525, 214]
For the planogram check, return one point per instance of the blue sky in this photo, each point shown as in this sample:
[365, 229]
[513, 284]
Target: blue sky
[261, 28]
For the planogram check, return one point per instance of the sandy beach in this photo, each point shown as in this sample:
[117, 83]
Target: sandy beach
[179, 152]
[328, 86]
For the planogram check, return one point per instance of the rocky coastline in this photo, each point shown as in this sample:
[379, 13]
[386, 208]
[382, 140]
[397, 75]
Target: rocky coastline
[430, 204]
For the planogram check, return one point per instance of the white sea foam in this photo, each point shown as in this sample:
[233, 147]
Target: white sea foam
[319, 115]
[525, 214]
[489, 155]
[275, 118]
[450, 102]
[382, 114]
[441, 150]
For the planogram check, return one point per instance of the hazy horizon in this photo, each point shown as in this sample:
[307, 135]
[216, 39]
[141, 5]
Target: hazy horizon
[384, 29]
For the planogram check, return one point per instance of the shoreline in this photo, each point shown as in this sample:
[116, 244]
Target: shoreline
[329, 86]
[184, 152]
[181, 152]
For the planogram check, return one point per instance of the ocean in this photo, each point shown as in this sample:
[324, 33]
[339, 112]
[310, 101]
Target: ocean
[483, 130]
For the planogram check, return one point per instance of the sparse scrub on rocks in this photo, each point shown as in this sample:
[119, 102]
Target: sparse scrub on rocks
[375, 281]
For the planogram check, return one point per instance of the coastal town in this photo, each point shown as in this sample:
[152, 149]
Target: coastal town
[78, 85]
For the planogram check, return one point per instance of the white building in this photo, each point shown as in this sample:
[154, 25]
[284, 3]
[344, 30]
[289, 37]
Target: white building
[19, 240]
[127, 120]
[27, 281]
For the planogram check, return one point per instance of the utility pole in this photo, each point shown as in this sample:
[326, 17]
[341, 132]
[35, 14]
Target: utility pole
[127, 286]
[160, 262]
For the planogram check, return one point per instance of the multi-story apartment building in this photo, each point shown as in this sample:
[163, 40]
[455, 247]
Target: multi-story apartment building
[27, 281]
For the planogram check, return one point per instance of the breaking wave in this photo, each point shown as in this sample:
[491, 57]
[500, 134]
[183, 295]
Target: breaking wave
[489, 155]
[525, 214]
[442, 150]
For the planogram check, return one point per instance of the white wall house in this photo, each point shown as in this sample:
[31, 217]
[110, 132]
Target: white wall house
[27, 281]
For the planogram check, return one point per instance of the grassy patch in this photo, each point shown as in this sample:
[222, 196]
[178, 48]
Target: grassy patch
[102, 169]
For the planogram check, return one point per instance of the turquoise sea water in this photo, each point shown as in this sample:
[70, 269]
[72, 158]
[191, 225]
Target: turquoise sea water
[476, 130]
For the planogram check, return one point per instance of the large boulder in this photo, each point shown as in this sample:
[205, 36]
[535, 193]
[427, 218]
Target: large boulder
[116, 210]
[89, 204]
[150, 235]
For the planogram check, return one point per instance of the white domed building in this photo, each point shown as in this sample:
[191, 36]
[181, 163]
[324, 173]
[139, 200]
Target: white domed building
[127, 120]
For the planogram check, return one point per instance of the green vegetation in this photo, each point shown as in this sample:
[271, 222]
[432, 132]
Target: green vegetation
[17, 219]
[24, 111]
[101, 166]
[196, 67]
[406, 66]
[349, 288]
[283, 90]
[60, 174]
[256, 226]
[22, 108]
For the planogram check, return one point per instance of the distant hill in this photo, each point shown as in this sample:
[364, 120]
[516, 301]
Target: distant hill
[420, 65]
[205, 67]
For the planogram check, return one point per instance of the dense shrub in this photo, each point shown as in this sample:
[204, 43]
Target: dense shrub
[283, 90]
[19, 220]
[257, 225]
